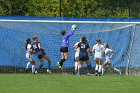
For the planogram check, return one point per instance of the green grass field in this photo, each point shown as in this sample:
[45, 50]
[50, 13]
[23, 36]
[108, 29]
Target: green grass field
[42, 83]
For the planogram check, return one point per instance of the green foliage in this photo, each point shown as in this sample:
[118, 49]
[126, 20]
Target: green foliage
[71, 8]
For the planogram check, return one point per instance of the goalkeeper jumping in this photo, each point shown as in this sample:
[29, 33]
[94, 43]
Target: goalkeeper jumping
[64, 46]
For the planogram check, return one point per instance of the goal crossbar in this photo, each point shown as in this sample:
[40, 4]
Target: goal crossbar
[58, 21]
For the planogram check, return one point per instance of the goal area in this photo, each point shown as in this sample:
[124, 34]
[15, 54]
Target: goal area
[122, 37]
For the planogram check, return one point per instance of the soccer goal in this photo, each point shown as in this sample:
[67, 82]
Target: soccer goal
[122, 37]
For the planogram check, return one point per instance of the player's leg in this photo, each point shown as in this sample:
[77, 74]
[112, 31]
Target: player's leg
[41, 64]
[76, 64]
[88, 67]
[64, 55]
[60, 63]
[27, 66]
[80, 64]
[103, 67]
[28, 63]
[100, 67]
[96, 67]
[33, 66]
[45, 56]
[115, 69]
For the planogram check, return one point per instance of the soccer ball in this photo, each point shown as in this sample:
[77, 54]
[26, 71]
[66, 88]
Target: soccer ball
[73, 27]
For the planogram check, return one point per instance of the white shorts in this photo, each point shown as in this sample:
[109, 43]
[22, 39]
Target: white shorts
[76, 54]
[108, 60]
[29, 57]
[98, 56]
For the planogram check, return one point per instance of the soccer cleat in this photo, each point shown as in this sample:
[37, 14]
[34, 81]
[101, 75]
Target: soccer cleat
[88, 74]
[78, 74]
[49, 71]
[36, 72]
[99, 73]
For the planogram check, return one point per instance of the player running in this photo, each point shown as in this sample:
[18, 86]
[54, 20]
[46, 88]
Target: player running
[64, 46]
[29, 56]
[40, 53]
[83, 55]
[98, 49]
[109, 53]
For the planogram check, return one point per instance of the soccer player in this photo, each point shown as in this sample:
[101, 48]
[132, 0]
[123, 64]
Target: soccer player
[64, 46]
[83, 55]
[98, 49]
[40, 53]
[76, 55]
[29, 56]
[109, 53]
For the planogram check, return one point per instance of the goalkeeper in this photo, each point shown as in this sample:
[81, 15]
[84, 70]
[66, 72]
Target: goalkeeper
[64, 46]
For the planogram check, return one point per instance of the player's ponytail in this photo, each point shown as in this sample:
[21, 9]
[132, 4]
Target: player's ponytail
[27, 42]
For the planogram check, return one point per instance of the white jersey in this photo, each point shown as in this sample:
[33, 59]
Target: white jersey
[98, 51]
[108, 53]
[28, 54]
[28, 48]
[77, 50]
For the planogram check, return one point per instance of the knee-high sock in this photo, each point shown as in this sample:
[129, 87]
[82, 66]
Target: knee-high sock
[27, 66]
[41, 65]
[61, 62]
[49, 65]
[33, 68]
[100, 68]
[96, 68]
[79, 70]
[103, 71]
[116, 69]
[76, 66]
[88, 68]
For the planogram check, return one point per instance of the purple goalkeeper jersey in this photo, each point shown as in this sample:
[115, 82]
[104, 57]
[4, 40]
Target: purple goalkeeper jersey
[65, 41]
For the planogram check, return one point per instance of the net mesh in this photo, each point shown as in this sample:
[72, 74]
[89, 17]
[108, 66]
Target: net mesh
[123, 38]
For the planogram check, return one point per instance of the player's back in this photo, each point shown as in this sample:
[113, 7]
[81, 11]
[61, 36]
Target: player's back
[35, 46]
[83, 46]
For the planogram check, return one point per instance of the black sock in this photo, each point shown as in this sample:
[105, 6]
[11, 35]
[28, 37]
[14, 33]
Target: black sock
[61, 62]
[41, 65]
[49, 65]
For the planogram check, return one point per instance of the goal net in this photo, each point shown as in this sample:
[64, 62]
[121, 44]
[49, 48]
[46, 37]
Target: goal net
[122, 37]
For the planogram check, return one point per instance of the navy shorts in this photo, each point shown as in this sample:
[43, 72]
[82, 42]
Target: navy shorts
[40, 54]
[63, 49]
[83, 56]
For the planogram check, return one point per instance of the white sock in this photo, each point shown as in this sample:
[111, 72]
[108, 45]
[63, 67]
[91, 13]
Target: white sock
[76, 66]
[27, 66]
[103, 71]
[116, 69]
[33, 68]
[100, 68]
[96, 68]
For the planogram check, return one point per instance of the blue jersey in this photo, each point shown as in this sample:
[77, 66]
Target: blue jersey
[65, 41]
[83, 47]
[35, 47]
